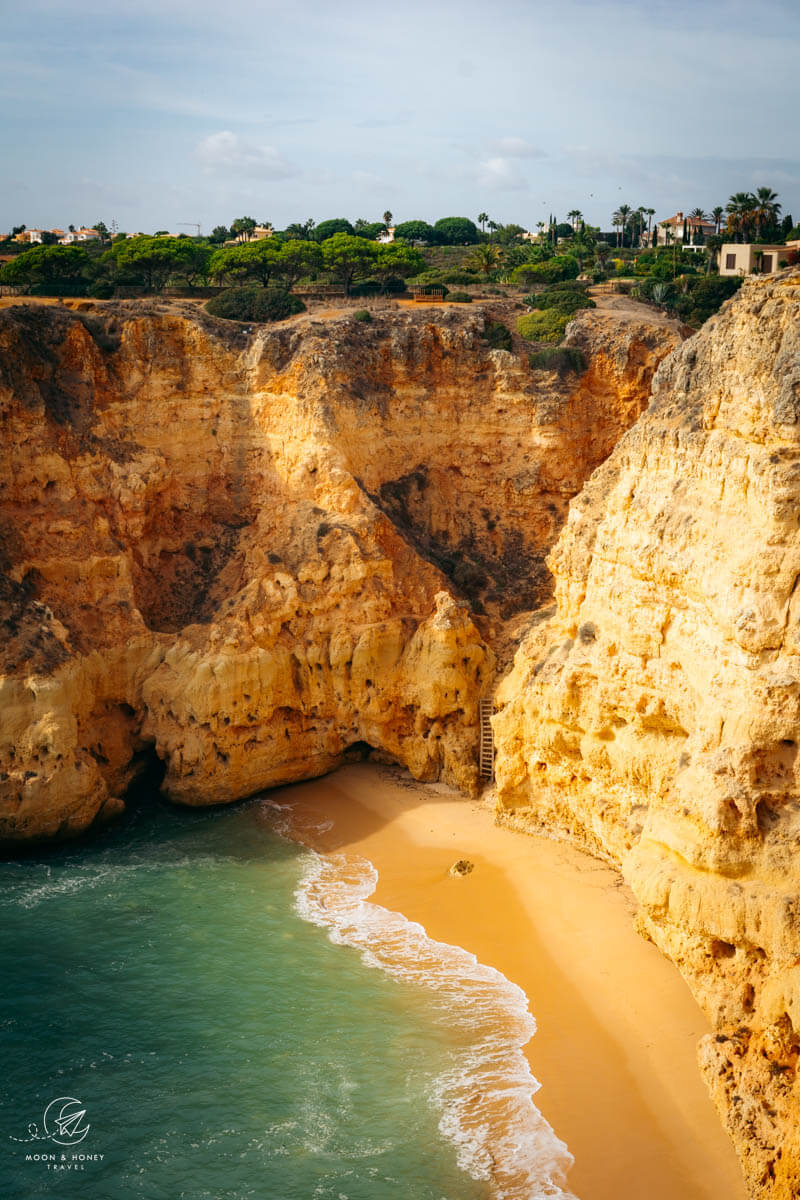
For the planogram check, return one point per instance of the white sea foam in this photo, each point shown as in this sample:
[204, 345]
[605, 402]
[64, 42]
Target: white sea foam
[62, 881]
[485, 1099]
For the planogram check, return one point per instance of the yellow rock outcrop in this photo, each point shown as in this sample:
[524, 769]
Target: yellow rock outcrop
[252, 550]
[655, 716]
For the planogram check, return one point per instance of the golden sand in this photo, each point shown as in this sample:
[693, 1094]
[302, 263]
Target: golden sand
[617, 1026]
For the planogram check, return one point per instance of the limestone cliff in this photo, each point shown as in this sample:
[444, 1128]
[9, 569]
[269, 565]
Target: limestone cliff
[655, 715]
[251, 550]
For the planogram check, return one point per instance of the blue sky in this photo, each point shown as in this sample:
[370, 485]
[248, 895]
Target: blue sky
[160, 112]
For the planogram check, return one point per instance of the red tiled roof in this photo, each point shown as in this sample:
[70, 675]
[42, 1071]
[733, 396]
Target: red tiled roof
[689, 221]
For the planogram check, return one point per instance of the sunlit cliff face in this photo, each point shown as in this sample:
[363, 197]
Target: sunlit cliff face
[655, 717]
[250, 551]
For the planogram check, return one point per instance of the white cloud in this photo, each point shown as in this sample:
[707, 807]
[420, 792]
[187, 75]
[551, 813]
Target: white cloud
[227, 152]
[500, 172]
[516, 147]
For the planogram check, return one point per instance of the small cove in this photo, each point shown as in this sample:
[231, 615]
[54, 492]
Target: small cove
[221, 1046]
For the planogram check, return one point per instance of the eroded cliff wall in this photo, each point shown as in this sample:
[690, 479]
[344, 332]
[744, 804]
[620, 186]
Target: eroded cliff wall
[252, 549]
[655, 717]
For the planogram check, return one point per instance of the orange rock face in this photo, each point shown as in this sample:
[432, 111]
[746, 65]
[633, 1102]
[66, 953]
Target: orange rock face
[655, 717]
[250, 551]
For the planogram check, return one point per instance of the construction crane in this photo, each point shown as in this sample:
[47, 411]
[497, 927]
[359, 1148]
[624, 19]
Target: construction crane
[190, 225]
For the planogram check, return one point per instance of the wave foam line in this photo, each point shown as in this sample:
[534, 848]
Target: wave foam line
[485, 1099]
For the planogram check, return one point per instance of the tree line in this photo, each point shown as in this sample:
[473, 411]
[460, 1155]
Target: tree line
[340, 252]
[151, 262]
[448, 231]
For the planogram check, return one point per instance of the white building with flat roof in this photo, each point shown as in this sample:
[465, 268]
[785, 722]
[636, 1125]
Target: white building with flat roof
[743, 258]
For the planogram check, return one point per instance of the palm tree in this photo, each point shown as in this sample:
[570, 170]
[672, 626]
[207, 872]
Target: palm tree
[620, 220]
[718, 213]
[574, 216]
[740, 208]
[638, 223]
[580, 250]
[713, 246]
[485, 258]
[696, 217]
[602, 253]
[482, 219]
[766, 209]
[387, 218]
[624, 212]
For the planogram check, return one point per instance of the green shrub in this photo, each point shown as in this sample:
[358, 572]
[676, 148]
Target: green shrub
[545, 326]
[432, 275]
[569, 285]
[461, 277]
[703, 297]
[373, 287]
[362, 314]
[562, 359]
[456, 231]
[498, 336]
[552, 270]
[368, 287]
[599, 277]
[566, 301]
[254, 303]
[73, 288]
[459, 297]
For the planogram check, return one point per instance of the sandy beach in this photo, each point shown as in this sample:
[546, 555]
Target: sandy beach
[617, 1026]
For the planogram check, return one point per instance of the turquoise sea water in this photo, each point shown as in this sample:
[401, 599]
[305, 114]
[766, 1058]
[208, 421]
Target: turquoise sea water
[175, 979]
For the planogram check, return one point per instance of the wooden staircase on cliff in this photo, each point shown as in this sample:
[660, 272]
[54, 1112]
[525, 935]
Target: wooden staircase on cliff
[486, 752]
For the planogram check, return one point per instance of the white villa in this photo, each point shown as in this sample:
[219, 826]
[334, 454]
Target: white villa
[78, 235]
[670, 232]
[34, 237]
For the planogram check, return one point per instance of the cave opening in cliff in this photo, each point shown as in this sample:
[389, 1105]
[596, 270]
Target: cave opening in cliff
[363, 752]
[144, 791]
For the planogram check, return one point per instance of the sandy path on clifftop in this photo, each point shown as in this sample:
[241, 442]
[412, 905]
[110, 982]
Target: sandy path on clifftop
[623, 308]
[617, 1026]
